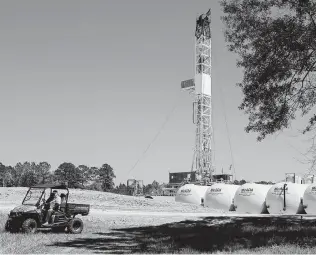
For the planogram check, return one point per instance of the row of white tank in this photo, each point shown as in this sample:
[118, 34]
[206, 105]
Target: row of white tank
[280, 198]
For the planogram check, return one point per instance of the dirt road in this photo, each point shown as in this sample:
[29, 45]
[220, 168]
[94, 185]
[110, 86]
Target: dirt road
[5, 208]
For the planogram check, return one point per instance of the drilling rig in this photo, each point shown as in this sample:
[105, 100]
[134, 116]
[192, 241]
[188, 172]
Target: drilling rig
[201, 88]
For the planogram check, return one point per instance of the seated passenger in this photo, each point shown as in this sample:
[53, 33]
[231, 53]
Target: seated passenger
[52, 203]
[63, 202]
[49, 200]
[57, 201]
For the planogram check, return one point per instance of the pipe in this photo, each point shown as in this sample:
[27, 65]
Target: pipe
[284, 203]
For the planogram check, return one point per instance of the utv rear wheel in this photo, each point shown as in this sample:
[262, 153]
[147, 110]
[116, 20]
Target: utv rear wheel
[75, 226]
[29, 226]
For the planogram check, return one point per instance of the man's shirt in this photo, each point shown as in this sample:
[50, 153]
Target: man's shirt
[57, 200]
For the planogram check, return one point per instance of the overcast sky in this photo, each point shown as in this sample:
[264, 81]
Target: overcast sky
[91, 82]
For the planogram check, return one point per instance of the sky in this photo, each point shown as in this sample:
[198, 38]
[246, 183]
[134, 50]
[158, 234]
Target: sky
[92, 82]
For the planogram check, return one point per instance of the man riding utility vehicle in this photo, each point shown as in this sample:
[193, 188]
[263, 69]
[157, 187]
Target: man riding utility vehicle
[55, 212]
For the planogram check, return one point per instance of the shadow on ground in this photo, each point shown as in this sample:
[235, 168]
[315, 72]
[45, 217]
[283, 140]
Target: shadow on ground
[211, 234]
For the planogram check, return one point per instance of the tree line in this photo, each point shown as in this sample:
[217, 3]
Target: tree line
[94, 178]
[30, 173]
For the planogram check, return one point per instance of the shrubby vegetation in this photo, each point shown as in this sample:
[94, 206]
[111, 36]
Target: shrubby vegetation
[153, 189]
[242, 182]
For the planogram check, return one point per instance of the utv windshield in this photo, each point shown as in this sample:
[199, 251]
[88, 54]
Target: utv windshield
[33, 196]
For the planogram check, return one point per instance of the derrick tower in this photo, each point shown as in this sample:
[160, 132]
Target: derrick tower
[201, 87]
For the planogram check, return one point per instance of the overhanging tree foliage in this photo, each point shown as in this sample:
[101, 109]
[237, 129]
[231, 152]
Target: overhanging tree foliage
[276, 44]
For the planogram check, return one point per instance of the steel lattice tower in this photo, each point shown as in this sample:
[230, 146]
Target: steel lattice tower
[201, 86]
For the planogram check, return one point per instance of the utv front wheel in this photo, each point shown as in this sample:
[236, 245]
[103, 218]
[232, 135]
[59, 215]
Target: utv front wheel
[75, 226]
[9, 228]
[29, 226]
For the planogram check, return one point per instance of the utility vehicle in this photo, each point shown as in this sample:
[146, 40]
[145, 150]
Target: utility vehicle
[31, 215]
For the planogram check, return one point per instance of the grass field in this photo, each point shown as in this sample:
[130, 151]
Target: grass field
[108, 201]
[168, 234]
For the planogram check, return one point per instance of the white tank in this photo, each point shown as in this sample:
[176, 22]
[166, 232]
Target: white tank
[293, 198]
[192, 194]
[250, 198]
[309, 199]
[220, 196]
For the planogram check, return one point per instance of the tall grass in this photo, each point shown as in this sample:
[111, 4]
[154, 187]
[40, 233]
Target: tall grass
[18, 243]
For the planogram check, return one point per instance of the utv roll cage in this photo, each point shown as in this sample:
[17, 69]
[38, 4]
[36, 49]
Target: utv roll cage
[56, 186]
